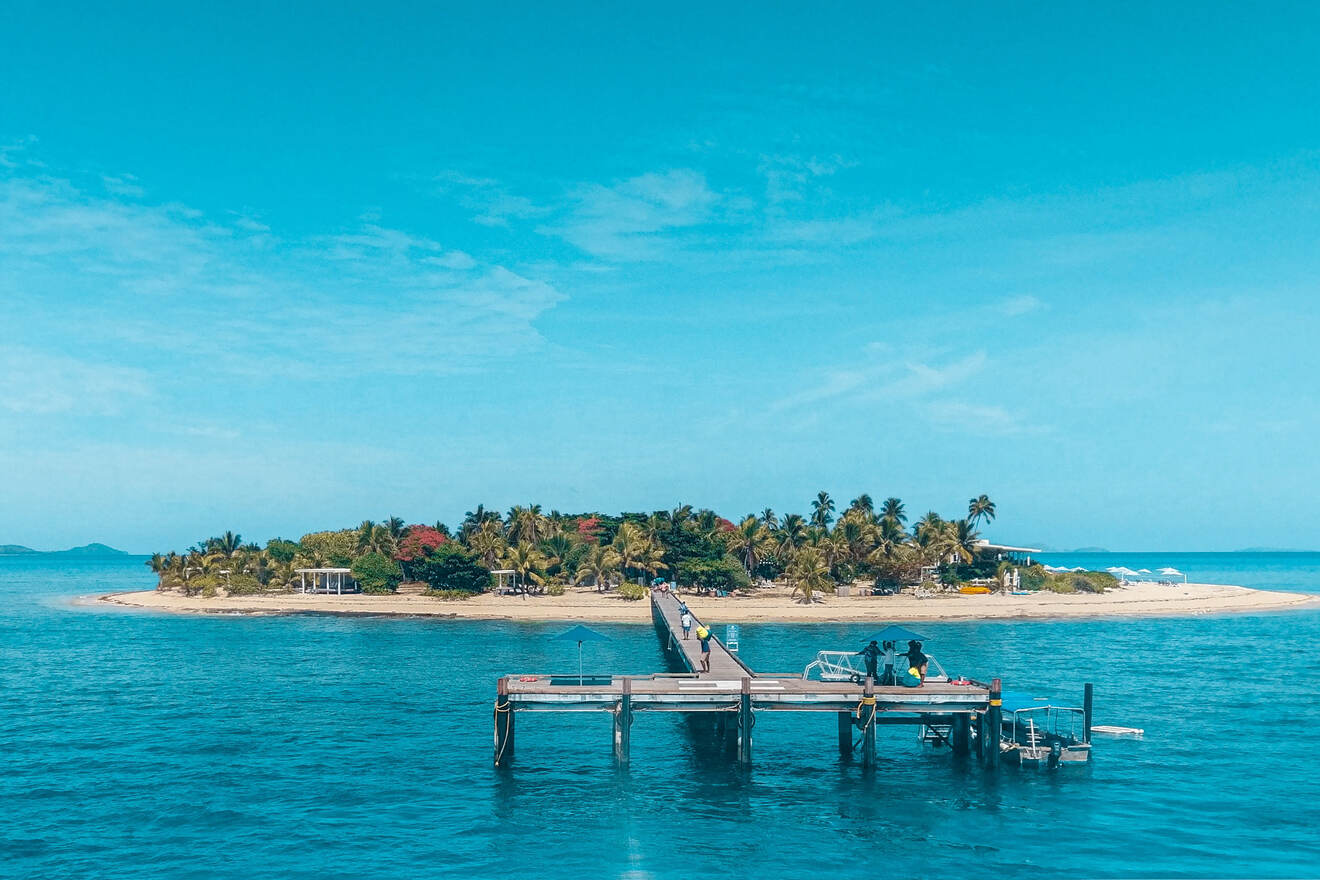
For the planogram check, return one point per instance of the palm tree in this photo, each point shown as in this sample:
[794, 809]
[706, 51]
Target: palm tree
[527, 524]
[791, 537]
[474, 519]
[562, 554]
[855, 534]
[488, 542]
[636, 551]
[980, 508]
[769, 519]
[928, 528]
[598, 565]
[707, 521]
[750, 542]
[526, 561]
[226, 545]
[397, 529]
[889, 536]
[893, 510]
[863, 504]
[809, 574]
[680, 516]
[958, 541]
[822, 510]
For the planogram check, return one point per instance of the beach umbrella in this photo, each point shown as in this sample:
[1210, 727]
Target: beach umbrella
[1143, 571]
[1173, 572]
[895, 634]
[1077, 568]
[580, 634]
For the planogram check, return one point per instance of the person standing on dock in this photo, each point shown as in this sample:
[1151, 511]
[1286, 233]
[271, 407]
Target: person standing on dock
[686, 619]
[703, 634]
[887, 652]
[871, 653]
[917, 660]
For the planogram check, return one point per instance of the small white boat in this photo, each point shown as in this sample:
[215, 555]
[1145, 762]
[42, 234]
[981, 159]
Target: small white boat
[1041, 735]
[851, 666]
[1115, 730]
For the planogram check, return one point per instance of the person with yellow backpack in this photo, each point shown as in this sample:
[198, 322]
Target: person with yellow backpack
[703, 634]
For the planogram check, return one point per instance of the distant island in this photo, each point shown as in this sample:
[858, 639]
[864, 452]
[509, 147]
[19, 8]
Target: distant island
[1090, 550]
[1272, 550]
[93, 549]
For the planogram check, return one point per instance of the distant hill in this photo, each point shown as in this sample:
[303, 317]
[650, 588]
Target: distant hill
[1271, 550]
[1091, 550]
[85, 550]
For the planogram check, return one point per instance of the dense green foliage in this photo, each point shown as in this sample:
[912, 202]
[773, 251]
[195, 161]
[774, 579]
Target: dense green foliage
[549, 552]
[632, 591]
[377, 573]
[451, 568]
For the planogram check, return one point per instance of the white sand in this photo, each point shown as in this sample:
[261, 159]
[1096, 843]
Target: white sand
[1132, 600]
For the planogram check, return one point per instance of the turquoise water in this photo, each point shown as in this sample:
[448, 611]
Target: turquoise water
[137, 744]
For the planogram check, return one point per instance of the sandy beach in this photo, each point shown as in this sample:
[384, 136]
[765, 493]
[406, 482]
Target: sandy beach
[771, 607]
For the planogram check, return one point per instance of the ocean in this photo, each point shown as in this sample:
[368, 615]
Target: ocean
[137, 744]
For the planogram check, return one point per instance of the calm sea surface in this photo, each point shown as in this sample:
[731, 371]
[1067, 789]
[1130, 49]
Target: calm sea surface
[143, 745]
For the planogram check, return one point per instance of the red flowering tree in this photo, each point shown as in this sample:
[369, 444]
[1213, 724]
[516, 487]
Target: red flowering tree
[723, 525]
[419, 541]
[588, 528]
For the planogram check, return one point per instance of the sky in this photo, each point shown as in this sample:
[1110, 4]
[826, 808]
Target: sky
[284, 267]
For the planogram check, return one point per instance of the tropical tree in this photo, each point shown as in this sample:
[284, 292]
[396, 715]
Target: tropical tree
[488, 543]
[769, 520]
[527, 524]
[527, 562]
[750, 543]
[822, 510]
[928, 529]
[980, 508]
[475, 519]
[809, 573]
[598, 565]
[792, 536]
[636, 551]
[863, 504]
[957, 541]
[893, 510]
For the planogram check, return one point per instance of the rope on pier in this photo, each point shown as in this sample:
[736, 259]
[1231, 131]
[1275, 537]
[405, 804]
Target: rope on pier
[507, 711]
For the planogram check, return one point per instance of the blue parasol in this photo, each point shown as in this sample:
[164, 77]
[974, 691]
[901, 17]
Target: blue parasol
[580, 634]
[895, 634]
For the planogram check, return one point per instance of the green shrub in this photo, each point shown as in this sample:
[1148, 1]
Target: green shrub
[1034, 577]
[377, 573]
[244, 585]
[555, 589]
[725, 574]
[632, 592]
[449, 595]
[450, 567]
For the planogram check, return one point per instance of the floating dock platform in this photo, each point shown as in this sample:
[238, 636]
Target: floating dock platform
[962, 716]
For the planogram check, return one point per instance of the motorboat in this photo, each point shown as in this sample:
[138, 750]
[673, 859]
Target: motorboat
[1037, 733]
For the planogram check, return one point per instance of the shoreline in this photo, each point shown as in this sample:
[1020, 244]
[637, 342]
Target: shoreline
[1134, 600]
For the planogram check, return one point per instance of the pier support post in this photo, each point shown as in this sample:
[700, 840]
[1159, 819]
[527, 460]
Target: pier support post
[961, 734]
[623, 725]
[745, 723]
[503, 724]
[1087, 697]
[866, 718]
[993, 726]
[845, 734]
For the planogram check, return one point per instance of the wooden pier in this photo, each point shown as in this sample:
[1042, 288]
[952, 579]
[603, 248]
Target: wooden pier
[731, 694]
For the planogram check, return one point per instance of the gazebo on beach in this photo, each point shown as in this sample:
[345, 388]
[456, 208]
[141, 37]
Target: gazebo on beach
[326, 580]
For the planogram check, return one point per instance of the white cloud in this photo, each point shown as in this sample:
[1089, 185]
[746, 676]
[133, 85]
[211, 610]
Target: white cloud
[635, 219]
[137, 280]
[35, 383]
[1015, 306]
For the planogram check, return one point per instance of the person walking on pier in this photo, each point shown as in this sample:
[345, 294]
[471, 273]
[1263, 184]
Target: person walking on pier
[871, 653]
[703, 634]
[686, 619]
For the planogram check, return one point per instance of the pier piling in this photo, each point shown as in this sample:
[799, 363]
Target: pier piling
[1087, 695]
[993, 724]
[846, 728]
[961, 733]
[623, 725]
[503, 724]
[745, 723]
[866, 717]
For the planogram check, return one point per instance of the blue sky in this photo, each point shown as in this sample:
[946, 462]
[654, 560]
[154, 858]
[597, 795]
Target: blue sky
[280, 267]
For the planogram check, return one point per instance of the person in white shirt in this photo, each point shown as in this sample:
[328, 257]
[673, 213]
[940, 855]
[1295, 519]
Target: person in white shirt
[686, 620]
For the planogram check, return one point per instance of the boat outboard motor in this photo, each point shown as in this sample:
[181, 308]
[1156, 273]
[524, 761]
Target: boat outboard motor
[1056, 752]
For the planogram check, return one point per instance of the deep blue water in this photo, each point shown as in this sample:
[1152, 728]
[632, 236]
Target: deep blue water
[136, 744]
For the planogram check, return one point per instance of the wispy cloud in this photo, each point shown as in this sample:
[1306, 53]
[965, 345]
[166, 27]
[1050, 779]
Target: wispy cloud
[36, 383]
[635, 219]
[135, 279]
